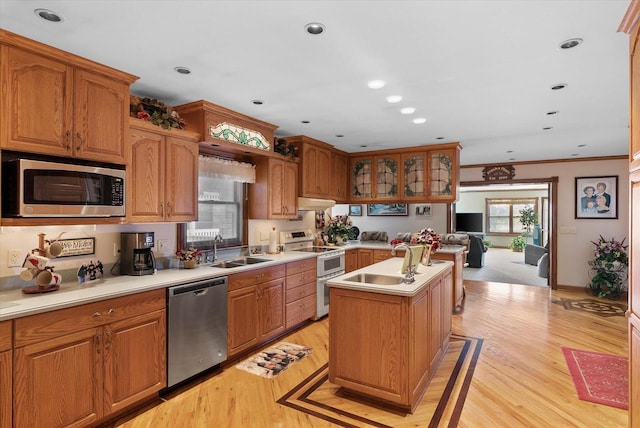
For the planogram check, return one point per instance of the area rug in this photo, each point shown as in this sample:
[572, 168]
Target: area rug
[274, 360]
[599, 378]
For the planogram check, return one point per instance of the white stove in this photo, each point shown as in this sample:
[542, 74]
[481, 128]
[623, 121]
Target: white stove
[330, 263]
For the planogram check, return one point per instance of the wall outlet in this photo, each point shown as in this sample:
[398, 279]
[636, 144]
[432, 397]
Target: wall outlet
[163, 245]
[14, 259]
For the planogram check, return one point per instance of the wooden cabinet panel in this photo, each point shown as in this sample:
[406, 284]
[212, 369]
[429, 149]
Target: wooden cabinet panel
[339, 177]
[386, 169]
[457, 280]
[365, 257]
[315, 182]
[297, 293]
[37, 111]
[242, 307]
[59, 382]
[301, 310]
[6, 374]
[350, 260]
[435, 324]
[443, 179]
[382, 255]
[135, 360]
[55, 108]
[163, 177]
[299, 279]
[300, 294]
[255, 277]
[306, 265]
[413, 178]
[274, 195]
[634, 115]
[271, 307]
[361, 178]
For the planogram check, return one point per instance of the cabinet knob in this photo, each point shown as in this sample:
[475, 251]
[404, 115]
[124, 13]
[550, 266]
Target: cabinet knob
[110, 311]
[96, 314]
[170, 209]
[81, 142]
[68, 134]
[161, 209]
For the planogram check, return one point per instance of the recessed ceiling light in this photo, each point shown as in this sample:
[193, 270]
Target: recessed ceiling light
[339, 135]
[550, 113]
[439, 138]
[314, 28]
[407, 110]
[257, 102]
[304, 121]
[558, 86]
[182, 70]
[376, 84]
[571, 43]
[512, 158]
[363, 145]
[546, 128]
[575, 154]
[509, 151]
[582, 145]
[49, 15]
[394, 99]
[419, 120]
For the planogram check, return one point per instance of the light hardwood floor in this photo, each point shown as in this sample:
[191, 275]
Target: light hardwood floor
[513, 374]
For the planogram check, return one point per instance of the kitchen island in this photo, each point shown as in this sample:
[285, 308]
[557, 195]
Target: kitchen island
[386, 341]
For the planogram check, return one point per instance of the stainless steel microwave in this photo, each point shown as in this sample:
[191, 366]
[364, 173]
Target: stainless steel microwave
[36, 188]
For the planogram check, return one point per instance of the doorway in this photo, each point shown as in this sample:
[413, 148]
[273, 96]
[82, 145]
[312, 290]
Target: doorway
[473, 198]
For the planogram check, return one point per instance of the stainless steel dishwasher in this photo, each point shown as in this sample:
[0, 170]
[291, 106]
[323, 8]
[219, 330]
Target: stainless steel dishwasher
[197, 328]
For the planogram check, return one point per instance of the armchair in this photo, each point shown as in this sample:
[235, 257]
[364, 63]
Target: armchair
[475, 258]
[532, 253]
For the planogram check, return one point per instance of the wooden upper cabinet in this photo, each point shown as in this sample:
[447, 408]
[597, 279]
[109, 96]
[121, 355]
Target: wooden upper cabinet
[57, 104]
[274, 195]
[163, 174]
[634, 141]
[315, 179]
[414, 176]
[339, 177]
[386, 169]
[361, 179]
[443, 179]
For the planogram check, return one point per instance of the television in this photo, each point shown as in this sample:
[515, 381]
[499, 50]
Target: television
[469, 222]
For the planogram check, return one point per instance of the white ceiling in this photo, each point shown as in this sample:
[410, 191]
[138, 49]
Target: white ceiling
[479, 71]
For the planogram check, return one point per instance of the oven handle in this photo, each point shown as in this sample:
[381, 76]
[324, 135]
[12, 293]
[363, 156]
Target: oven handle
[330, 276]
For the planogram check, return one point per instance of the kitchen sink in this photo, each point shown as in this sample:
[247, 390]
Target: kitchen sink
[372, 278]
[241, 261]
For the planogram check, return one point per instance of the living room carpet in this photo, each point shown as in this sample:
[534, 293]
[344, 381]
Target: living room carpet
[505, 265]
[274, 360]
[599, 378]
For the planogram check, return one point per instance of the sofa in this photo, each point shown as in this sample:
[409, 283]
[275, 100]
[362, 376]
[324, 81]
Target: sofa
[532, 253]
[475, 257]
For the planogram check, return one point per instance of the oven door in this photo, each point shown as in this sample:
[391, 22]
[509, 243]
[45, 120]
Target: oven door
[322, 295]
[330, 263]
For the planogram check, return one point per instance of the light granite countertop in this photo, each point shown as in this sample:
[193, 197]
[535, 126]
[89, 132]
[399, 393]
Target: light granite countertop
[15, 304]
[392, 267]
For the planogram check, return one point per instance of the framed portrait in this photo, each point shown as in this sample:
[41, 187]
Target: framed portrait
[423, 209]
[355, 210]
[387, 209]
[597, 197]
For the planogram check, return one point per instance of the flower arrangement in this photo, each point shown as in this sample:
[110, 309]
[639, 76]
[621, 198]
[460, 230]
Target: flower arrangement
[607, 253]
[339, 225]
[427, 236]
[156, 112]
[285, 149]
[608, 268]
[189, 254]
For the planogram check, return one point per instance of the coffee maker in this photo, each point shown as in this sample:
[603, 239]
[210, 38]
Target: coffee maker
[136, 257]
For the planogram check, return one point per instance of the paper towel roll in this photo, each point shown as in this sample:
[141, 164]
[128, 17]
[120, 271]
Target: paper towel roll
[273, 241]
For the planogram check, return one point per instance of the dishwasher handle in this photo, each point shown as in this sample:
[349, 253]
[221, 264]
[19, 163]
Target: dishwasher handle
[197, 288]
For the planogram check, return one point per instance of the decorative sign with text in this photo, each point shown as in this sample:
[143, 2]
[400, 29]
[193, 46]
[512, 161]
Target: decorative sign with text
[77, 247]
[498, 172]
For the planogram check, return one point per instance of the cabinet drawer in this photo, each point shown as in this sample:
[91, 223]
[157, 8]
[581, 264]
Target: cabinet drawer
[300, 266]
[301, 310]
[53, 324]
[298, 293]
[255, 277]
[5, 335]
[299, 279]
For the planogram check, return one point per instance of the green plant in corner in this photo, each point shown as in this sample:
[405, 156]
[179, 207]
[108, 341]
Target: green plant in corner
[517, 243]
[528, 217]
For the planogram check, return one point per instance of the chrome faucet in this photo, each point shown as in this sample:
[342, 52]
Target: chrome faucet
[411, 270]
[217, 238]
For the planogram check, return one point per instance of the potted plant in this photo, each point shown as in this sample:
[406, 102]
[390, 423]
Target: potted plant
[608, 268]
[517, 243]
[528, 217]
[339, 227]
[189, 257]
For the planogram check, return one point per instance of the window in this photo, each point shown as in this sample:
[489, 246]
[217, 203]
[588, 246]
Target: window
[503, 215]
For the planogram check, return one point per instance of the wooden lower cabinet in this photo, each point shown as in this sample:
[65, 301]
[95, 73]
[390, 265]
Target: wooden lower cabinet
[300, 291]
[395, 364]
[6, 374]
[458, 265]
[76, 366]
[350, 260]
[256, 307]
[365, 257]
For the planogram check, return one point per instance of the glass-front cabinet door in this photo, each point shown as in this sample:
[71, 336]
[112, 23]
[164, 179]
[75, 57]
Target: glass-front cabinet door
[413, 176]
[443, 175]
[360, 180]
[386, 184]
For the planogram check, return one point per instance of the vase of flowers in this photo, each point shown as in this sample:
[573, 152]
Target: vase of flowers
[189, 257]
[427, 236]
[285, 149]
[339, 227]
[608, 270]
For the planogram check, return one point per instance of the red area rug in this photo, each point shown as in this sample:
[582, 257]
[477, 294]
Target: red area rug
[599, 378]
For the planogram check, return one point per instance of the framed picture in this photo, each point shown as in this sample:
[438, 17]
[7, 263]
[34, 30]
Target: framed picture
[424, 210]
[597, 197]
[355, 210]
[387, 209]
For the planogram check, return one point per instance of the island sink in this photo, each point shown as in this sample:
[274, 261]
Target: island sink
[377, 279]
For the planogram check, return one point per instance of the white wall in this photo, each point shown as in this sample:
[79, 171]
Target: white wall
[575, 249]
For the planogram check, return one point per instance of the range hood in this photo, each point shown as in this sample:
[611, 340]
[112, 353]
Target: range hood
[313, 204]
